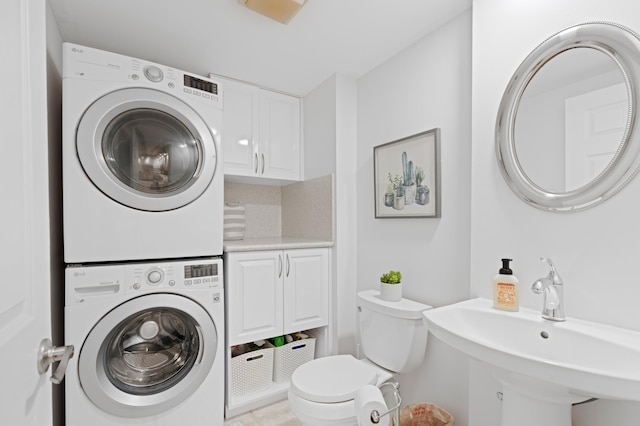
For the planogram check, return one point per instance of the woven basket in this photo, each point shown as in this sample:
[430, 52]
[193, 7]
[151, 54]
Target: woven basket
[251, 372]
[288, 357]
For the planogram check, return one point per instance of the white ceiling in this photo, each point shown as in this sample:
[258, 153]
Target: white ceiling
[350, 37]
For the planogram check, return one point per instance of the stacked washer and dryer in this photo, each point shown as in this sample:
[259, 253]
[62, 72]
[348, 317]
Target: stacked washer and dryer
[143, 211]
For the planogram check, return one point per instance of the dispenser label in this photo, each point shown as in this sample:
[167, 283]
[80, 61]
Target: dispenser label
[507, 295]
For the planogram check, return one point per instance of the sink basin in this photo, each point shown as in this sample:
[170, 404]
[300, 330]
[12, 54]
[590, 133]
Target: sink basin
[543, 365]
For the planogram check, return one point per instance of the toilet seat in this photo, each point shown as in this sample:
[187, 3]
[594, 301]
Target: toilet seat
[332, 379]
[322, 391]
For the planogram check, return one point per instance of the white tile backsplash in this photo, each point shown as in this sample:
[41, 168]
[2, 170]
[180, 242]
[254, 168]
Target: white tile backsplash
[307, 209]
[263, 207]
[301, 210]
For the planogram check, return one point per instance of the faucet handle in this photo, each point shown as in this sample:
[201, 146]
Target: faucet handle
[549, 261]
[553, 273]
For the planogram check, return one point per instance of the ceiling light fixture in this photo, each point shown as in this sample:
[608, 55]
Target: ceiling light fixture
[280, 10]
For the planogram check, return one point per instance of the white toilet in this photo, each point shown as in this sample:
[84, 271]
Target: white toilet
[394, 340]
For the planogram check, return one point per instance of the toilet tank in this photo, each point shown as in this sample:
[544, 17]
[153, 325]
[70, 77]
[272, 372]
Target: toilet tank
[392, 334]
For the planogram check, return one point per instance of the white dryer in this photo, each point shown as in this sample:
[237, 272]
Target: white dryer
[149, 343]
[142, 163]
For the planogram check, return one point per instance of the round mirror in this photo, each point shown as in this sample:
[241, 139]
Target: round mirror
[566, 126]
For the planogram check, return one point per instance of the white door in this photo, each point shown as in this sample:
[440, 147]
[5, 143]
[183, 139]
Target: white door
[241, 128]
[595, 123]
[306, 289]
[279, 136]
[25, 395]
[254, 295]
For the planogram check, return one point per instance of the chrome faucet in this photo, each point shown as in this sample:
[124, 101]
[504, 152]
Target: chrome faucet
[551, 288]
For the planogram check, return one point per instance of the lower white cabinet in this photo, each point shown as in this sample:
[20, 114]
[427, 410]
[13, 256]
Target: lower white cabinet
[273, 293]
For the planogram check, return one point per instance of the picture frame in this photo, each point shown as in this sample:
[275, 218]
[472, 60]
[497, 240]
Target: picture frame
[407, 177]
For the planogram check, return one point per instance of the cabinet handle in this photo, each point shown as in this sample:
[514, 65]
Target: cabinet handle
[262, 172]
[279, 265]
[288, 265]
[256, 166]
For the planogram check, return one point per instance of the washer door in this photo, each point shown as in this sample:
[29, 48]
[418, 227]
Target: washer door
[146, 149]
[147, 355]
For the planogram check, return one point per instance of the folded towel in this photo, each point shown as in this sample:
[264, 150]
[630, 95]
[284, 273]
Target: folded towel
[234, 221]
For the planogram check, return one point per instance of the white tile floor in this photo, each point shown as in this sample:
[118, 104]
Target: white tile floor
[278, 414]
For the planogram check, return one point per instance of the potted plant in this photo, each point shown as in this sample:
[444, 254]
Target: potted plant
[389, 196]
[422, 193]
[408, 183]
[391, 286]
[398, 191]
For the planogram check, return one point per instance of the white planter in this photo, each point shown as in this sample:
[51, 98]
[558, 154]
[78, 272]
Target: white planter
[391, 292]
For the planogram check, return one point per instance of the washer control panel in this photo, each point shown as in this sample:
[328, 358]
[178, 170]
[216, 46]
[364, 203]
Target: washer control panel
[84, 283]
[193, 274]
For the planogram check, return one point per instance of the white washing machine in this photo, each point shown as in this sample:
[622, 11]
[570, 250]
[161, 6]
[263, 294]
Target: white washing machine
[142, 165]
[149, 343]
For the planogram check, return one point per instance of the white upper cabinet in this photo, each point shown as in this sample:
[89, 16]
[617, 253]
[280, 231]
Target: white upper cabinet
[279, 136]
[261, 132]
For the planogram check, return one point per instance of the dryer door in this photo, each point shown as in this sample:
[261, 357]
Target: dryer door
[146, 149]
[147, 355]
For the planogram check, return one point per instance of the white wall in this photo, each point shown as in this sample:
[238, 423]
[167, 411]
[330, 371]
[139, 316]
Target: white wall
[320, 130]
[330, 147]
[595, 250]
[426, 86]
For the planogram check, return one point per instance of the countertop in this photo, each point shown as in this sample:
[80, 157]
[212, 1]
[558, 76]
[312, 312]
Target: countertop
[272, 243]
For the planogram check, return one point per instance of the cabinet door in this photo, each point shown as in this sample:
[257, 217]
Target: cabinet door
[306, 289]
[254, 295]
[279, 136]
[240, 139]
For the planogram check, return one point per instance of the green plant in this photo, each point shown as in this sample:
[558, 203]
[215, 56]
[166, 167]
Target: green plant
[392, 277]
[419, 175]
[407, 170]
[396, 184]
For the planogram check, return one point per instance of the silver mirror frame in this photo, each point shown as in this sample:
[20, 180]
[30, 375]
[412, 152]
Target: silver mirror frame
[623, 46]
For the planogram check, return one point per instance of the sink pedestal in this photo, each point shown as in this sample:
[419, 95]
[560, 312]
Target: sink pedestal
[544, 366]
[528, 402]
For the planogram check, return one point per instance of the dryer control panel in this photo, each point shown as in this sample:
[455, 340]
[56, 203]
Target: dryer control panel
[88, 282]
[86, 63]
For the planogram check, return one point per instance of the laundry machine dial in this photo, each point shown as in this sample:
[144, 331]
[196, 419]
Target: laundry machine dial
[155, 276]
[153, 73]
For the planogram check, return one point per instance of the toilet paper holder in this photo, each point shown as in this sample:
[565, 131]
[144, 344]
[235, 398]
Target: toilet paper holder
[375, 415]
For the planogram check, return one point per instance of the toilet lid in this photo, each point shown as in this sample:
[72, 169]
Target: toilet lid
[332, 379]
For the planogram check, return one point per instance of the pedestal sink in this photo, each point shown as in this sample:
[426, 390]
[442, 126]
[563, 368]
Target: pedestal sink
[544, 366]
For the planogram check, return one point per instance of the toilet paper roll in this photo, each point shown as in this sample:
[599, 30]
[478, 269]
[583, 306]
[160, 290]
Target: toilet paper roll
[369, 398]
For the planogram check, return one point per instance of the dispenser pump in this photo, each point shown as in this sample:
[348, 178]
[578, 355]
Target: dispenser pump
[505, 270]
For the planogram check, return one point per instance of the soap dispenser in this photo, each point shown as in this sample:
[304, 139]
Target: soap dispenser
[505, 288]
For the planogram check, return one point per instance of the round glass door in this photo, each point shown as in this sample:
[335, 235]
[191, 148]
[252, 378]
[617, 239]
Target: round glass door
[146, 149]
[151, 351]
[147, 355]
[151, 151]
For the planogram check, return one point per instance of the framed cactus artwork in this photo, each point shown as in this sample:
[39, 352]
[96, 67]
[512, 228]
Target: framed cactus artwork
[407, 176]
